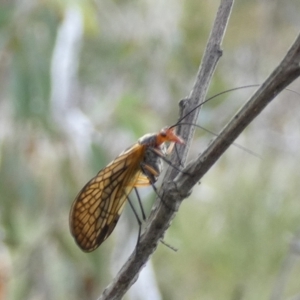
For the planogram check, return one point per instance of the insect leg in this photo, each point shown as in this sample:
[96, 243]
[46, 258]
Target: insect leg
[140, 203]
[154, 187]
[215, 134]
[167, 161]
[156, 192]
[138, 220]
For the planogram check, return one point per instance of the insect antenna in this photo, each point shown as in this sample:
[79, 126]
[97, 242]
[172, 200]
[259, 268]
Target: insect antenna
[210, 98]
[215, 134]
[178, 123]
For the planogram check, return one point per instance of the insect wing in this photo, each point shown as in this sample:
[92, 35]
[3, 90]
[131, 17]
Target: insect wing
[97, 208]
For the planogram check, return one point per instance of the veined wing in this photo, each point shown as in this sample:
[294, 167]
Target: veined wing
[97, 208]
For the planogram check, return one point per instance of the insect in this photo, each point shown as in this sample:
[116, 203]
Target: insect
[97, 208]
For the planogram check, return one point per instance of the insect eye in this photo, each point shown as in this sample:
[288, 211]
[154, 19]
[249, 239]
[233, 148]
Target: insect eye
[163, 134]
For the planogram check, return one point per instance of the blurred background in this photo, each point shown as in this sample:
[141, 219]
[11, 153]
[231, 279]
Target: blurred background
[83, 80]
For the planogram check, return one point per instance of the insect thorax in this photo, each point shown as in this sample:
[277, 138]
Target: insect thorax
[151, 158]
[148, 139]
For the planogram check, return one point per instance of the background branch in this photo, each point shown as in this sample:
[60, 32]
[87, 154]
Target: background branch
[211, 56]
